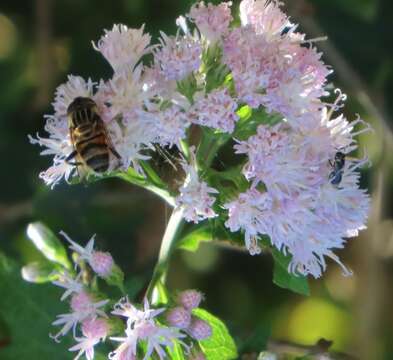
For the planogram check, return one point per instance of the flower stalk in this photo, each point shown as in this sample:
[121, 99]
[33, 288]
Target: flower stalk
[171, 233]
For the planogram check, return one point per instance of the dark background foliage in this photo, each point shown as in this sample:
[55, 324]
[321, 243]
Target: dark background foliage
[42, 41]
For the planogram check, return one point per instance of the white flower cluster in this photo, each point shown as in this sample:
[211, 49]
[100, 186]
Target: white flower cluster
[303, 192]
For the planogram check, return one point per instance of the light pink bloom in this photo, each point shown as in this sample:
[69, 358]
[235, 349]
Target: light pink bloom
[277, 158]
[170, 126]
[123, 47]
[217, 110]
[296, 87]
[141, 326]
[265, 17]
[83, 307]
[253, 61]
[195, 196]
[67, 92]
[101, 263]
[179, 56]
[94, 331]
[212, 20]
[72, 285]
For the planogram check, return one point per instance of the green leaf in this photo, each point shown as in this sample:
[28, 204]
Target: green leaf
[48, 243]
[220, 345]
[250, 119]
[282, 278]
[192, 240]
[28, 311]
[39, 272]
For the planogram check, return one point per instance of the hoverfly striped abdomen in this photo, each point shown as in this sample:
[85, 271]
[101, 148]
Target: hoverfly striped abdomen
[89, 137]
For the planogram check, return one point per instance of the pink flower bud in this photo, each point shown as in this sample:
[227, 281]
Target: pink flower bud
[190, 299]
[179, 317]
[199, 329]
[80, 301]
[101, 263]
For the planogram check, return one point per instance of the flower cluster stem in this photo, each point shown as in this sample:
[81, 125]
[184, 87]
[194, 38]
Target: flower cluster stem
[167, 246]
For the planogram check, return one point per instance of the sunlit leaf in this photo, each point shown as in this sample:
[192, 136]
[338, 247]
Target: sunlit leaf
[220, 345]
[192, 240]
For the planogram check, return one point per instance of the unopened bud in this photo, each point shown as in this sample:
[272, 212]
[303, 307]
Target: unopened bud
[102, 263]
[199, 329]
[179, 317]
[190, 299]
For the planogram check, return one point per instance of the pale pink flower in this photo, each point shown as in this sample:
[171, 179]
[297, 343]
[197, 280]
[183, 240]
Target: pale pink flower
[94, 331]
[265, 17]
[141, 326]
[217, 110]
[72, 285]
[124, 47]
[170, 125]
[66, 93]
[195, 196]
[133, 314]
[101, 263]
[179, 56]
[276, 158]
[212, 20]
[58, 145]
[83, 307]
[253, 61]
[296, 87]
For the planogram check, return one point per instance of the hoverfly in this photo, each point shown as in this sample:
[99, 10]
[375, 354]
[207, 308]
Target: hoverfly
[89, 137]
[338, 164]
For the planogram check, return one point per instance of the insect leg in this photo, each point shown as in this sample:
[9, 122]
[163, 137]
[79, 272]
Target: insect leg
[114, 152]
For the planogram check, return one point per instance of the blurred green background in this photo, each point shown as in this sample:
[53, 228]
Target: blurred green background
[41, 41]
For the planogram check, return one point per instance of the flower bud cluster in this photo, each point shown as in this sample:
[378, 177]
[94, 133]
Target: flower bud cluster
[181, 316]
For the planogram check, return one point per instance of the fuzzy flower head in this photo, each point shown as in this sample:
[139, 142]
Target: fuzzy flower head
[195, 195]
[277, 160]
[94, 331]
[190, 299]
[72, 285]
[265, 16]
[123, 47]
[199, 329]
[58, 143]
[212, 20]
[217, 110]
[253, 62]
[179, 56]
[75, 87]
[101, 262]
[170, 126]
[83, 307]
[141, 326]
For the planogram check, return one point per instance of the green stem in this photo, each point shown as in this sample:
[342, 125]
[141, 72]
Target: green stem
[167, 246]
